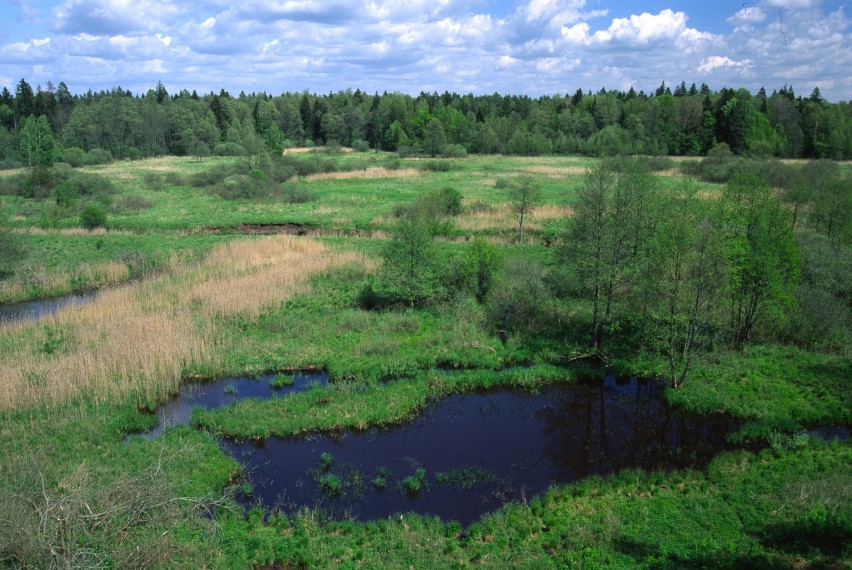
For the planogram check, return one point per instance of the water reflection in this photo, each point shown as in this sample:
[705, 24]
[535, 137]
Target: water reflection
[479, 451]
[33, 310]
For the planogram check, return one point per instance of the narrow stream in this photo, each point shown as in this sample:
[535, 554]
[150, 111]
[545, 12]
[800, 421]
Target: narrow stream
[32, 310]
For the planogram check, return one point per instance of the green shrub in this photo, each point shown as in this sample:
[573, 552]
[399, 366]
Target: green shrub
[93, 216]
[228, 149]
[436, 166]
[330, 483]
[39, 183]
[360, 146]
[74, 156]
[281, 381]
[294, 193]
[453, 151]
[413, 484]
[97, 156]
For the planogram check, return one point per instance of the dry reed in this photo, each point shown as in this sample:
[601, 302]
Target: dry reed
[138, 339]
[501, 217]
[367, 174]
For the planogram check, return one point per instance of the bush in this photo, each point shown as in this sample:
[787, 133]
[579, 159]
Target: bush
[134, 204]
[658, 163]
[436, 166]
[39, 183]
[74, 156]
[97, 156]
[718, 165]
[474, 272]
[520, 299]
[453, 151]
[93, 216]
[294, 193]
[360, 146]
[12, 185]
[228, 149]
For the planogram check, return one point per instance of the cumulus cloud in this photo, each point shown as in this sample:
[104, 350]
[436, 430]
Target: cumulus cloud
[113, 16]
[534, 47]
[716, 61]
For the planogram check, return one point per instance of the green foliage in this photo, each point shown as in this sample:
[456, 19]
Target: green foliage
[97, 156]
[281, 381]
[74, 156]
[93, 216]
[38, 146]
[520, 301]
[761, 254]
[413, 484]
[718, 165]
[524, 196]
[474, 271]
[11, 252]
[410, 273]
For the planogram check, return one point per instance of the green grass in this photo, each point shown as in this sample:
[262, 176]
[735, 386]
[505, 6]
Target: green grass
[769, 510]
[772, 387]
[786, 507]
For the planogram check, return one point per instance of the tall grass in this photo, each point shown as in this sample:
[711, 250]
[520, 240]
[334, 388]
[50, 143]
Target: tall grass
[139, 339]
[42, 279]
[366, 174]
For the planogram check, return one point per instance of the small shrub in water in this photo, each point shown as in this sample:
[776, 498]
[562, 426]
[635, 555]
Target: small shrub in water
[330, 483]
[281, 381]
[325, 460]
[413, 484]
[230, 389]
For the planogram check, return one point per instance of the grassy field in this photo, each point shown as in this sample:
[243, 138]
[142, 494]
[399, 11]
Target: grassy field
[185, 295]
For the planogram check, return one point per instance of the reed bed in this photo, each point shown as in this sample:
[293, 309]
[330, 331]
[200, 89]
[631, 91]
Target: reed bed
[366, 174]
[556, 170]
[93, 275]
[69, 231]
[500, 217]
[138, 339]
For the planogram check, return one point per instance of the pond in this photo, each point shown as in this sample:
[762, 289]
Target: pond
[467, 455]
[226, 391]
[32, 310]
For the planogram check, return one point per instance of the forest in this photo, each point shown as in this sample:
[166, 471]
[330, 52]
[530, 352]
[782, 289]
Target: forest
[688, 121]
[619, 325]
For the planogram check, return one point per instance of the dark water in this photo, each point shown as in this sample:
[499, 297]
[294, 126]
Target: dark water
[225, 392]
[481, 451]
[31, 310]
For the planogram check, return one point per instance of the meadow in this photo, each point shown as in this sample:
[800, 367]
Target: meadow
[189, 291]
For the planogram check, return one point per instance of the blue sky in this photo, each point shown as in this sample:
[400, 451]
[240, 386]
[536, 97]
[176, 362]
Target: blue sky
[533, 47]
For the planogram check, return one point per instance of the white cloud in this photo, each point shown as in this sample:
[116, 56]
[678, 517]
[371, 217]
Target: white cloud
[643, 29]
[715, 62]
[577, 33]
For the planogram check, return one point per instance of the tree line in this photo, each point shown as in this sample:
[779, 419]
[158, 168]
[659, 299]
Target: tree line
[686, 121]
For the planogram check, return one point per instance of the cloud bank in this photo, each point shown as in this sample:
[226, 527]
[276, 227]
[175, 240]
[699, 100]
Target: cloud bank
[535, 47]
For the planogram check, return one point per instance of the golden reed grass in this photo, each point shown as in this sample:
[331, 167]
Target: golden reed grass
[368, 174]
[501, 217]
[138, 339]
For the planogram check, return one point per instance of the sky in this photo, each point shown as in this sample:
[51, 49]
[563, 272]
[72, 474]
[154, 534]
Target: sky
[532, 47]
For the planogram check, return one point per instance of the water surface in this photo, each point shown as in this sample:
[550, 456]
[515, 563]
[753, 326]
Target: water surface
[33, 310]
[226, 391]
[480, 451]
